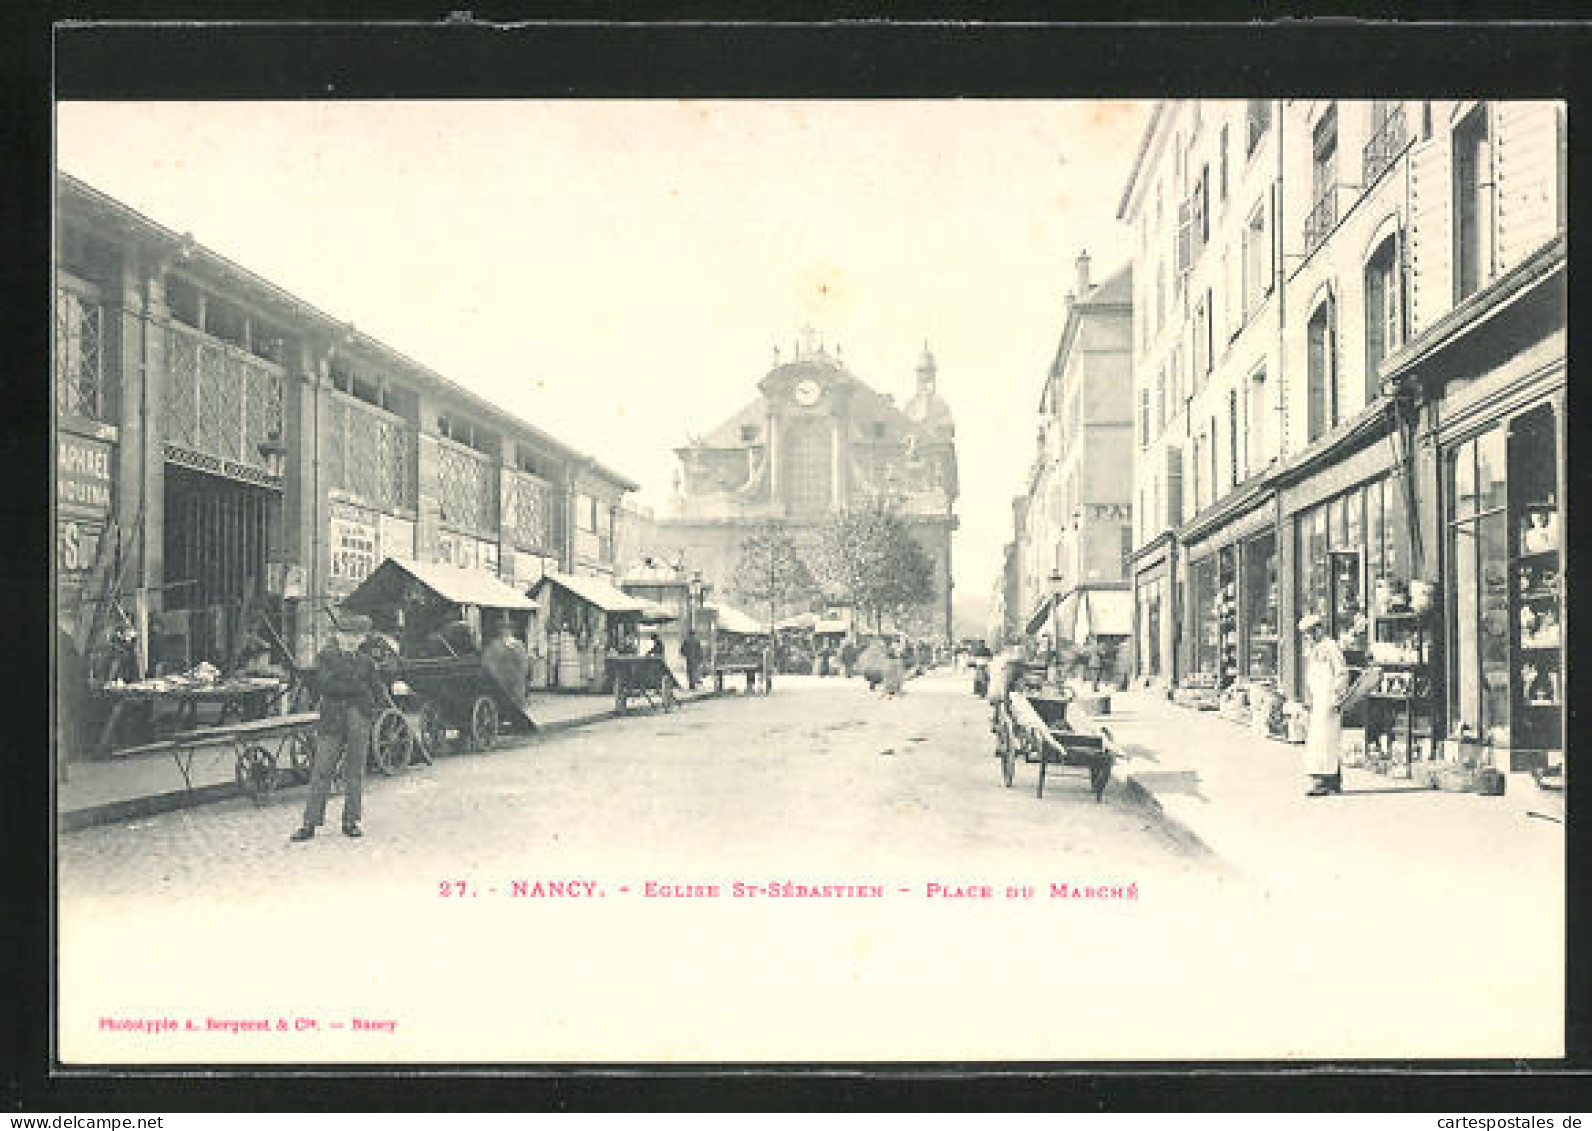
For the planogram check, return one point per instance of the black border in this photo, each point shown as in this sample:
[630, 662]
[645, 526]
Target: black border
[854, 55]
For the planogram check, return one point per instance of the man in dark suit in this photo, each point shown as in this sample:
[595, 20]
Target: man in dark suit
[350, 689]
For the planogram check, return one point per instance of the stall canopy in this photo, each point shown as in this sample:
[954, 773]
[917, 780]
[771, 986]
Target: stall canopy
[595, 591]
[831, 625]
[1103, 612]
[654, 613]
[383, 588]
[799, 621]
[731, 619]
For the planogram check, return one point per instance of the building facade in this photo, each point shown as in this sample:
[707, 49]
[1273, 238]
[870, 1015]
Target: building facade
[1349, 385]
[814, 441]
[1077, 519]
[223, 448]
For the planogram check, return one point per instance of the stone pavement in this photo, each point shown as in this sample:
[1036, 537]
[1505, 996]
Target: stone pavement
[1243, 796]
[118, 788]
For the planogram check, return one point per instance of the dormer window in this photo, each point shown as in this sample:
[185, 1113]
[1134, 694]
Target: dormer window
[748, 433]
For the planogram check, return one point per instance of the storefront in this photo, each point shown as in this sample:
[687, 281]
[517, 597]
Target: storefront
[1232, 574]
[1504, 520]
[1155, 624]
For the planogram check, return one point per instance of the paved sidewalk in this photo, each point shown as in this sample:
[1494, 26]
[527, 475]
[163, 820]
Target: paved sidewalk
[1243, 796]
[137, 785]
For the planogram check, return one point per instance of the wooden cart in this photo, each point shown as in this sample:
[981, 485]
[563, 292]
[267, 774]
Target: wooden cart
[645, 677]
[1034, 726]
[449, 694]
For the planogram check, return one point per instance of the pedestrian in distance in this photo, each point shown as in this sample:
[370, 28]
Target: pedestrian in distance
[656, 647]
[691, 650]
[1327, 681]
[894, 671]
[350, 689]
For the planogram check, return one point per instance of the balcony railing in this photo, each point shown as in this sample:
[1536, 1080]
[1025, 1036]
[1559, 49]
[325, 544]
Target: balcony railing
[220, 401]
[1391, 138]
[1324, 214]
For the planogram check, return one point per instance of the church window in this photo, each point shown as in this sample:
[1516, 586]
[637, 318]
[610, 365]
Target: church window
[748, 433]
[808, 466]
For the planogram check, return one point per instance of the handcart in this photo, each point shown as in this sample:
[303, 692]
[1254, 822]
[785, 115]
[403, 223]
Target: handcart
[1034, 726]
[267, 751]
[449, 694]
[644, 677]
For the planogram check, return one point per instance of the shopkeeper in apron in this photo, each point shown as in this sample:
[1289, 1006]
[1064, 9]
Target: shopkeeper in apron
[350, 689]
[1327, 681]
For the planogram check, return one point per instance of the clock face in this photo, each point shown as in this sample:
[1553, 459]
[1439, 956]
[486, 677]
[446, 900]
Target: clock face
[808, 392]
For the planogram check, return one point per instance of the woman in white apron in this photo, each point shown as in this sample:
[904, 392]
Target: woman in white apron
[1326, 680]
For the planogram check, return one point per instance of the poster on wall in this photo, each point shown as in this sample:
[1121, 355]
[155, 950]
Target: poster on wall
[489, 557]
[353, 548]
[447, 548]
[77, 544]
[397, 538]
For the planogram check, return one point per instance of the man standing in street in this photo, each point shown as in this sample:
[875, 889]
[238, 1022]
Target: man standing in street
[1327, 678]
[691, 649]
[350, 689]
[506, 661]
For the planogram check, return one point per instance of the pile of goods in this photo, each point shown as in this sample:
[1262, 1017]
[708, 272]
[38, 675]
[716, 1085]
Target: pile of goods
[1198, 691]
[1235, 706]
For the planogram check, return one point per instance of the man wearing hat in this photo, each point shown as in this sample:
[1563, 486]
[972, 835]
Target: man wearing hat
[350, 690]
[1327, 681]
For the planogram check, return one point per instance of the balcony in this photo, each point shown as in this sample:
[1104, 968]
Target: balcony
[1391, 138]
[1330, 206]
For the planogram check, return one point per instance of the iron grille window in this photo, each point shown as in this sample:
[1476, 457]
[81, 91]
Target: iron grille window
[532, 512]
[220, 400]
[80, 388]
[466, 495]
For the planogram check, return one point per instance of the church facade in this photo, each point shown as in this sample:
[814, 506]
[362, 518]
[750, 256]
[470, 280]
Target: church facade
[815, 440]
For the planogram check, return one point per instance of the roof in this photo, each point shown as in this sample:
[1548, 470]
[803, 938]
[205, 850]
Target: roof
[381, 588]
[799, 620]
[595, 591]
[731, 619]
[198, 253]
[1138, 160]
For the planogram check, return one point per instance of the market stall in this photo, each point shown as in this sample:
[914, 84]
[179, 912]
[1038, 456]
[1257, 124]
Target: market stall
[737, 645]
[586, 621]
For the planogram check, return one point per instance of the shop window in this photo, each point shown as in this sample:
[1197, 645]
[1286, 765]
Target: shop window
[1206, 592]
[1262, 612]
[1312, 578]
[1472, 199]
[1381, 313]
[1535, 524]
[1321, 375]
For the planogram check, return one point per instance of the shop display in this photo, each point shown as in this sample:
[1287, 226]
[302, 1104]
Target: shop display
[1399, 710]
[1534, 585]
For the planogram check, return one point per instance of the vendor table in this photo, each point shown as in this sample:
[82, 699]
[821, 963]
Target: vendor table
[755, 671]
[645, 676]
[263, 749]
[240, 700]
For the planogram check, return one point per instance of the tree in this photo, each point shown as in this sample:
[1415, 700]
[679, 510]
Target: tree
[869, 558]
[771, 571]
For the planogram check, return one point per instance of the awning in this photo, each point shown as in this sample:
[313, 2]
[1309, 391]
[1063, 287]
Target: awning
[731, 619]
[833, 625]
[1040, 615]
[383, 588]
[1103, 612]
[595, 591]
[655, 613]
[799, 621]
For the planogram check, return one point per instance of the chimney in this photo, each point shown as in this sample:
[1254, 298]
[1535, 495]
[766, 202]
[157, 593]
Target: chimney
[1083, 274]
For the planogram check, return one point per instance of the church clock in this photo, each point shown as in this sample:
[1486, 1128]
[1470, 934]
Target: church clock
[807, 392]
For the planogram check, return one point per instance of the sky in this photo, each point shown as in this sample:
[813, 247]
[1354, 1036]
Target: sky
[619, 272]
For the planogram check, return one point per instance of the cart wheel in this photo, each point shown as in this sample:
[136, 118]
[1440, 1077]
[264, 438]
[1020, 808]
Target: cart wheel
[255, 771]
[300, 754]
[391, 743]
[433, 731]
[483, 723]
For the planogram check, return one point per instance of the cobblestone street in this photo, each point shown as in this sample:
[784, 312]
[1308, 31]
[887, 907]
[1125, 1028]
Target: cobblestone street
[820, 784]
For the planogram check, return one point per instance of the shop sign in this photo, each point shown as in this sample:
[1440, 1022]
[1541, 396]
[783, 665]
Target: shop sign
[77, 545]
[83, 477]
[1119, 511]
[219, 465]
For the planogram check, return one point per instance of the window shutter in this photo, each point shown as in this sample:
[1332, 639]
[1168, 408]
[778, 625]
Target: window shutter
[1527, 178]
[1174, 485]
[1269, 223]
[1430, 243]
